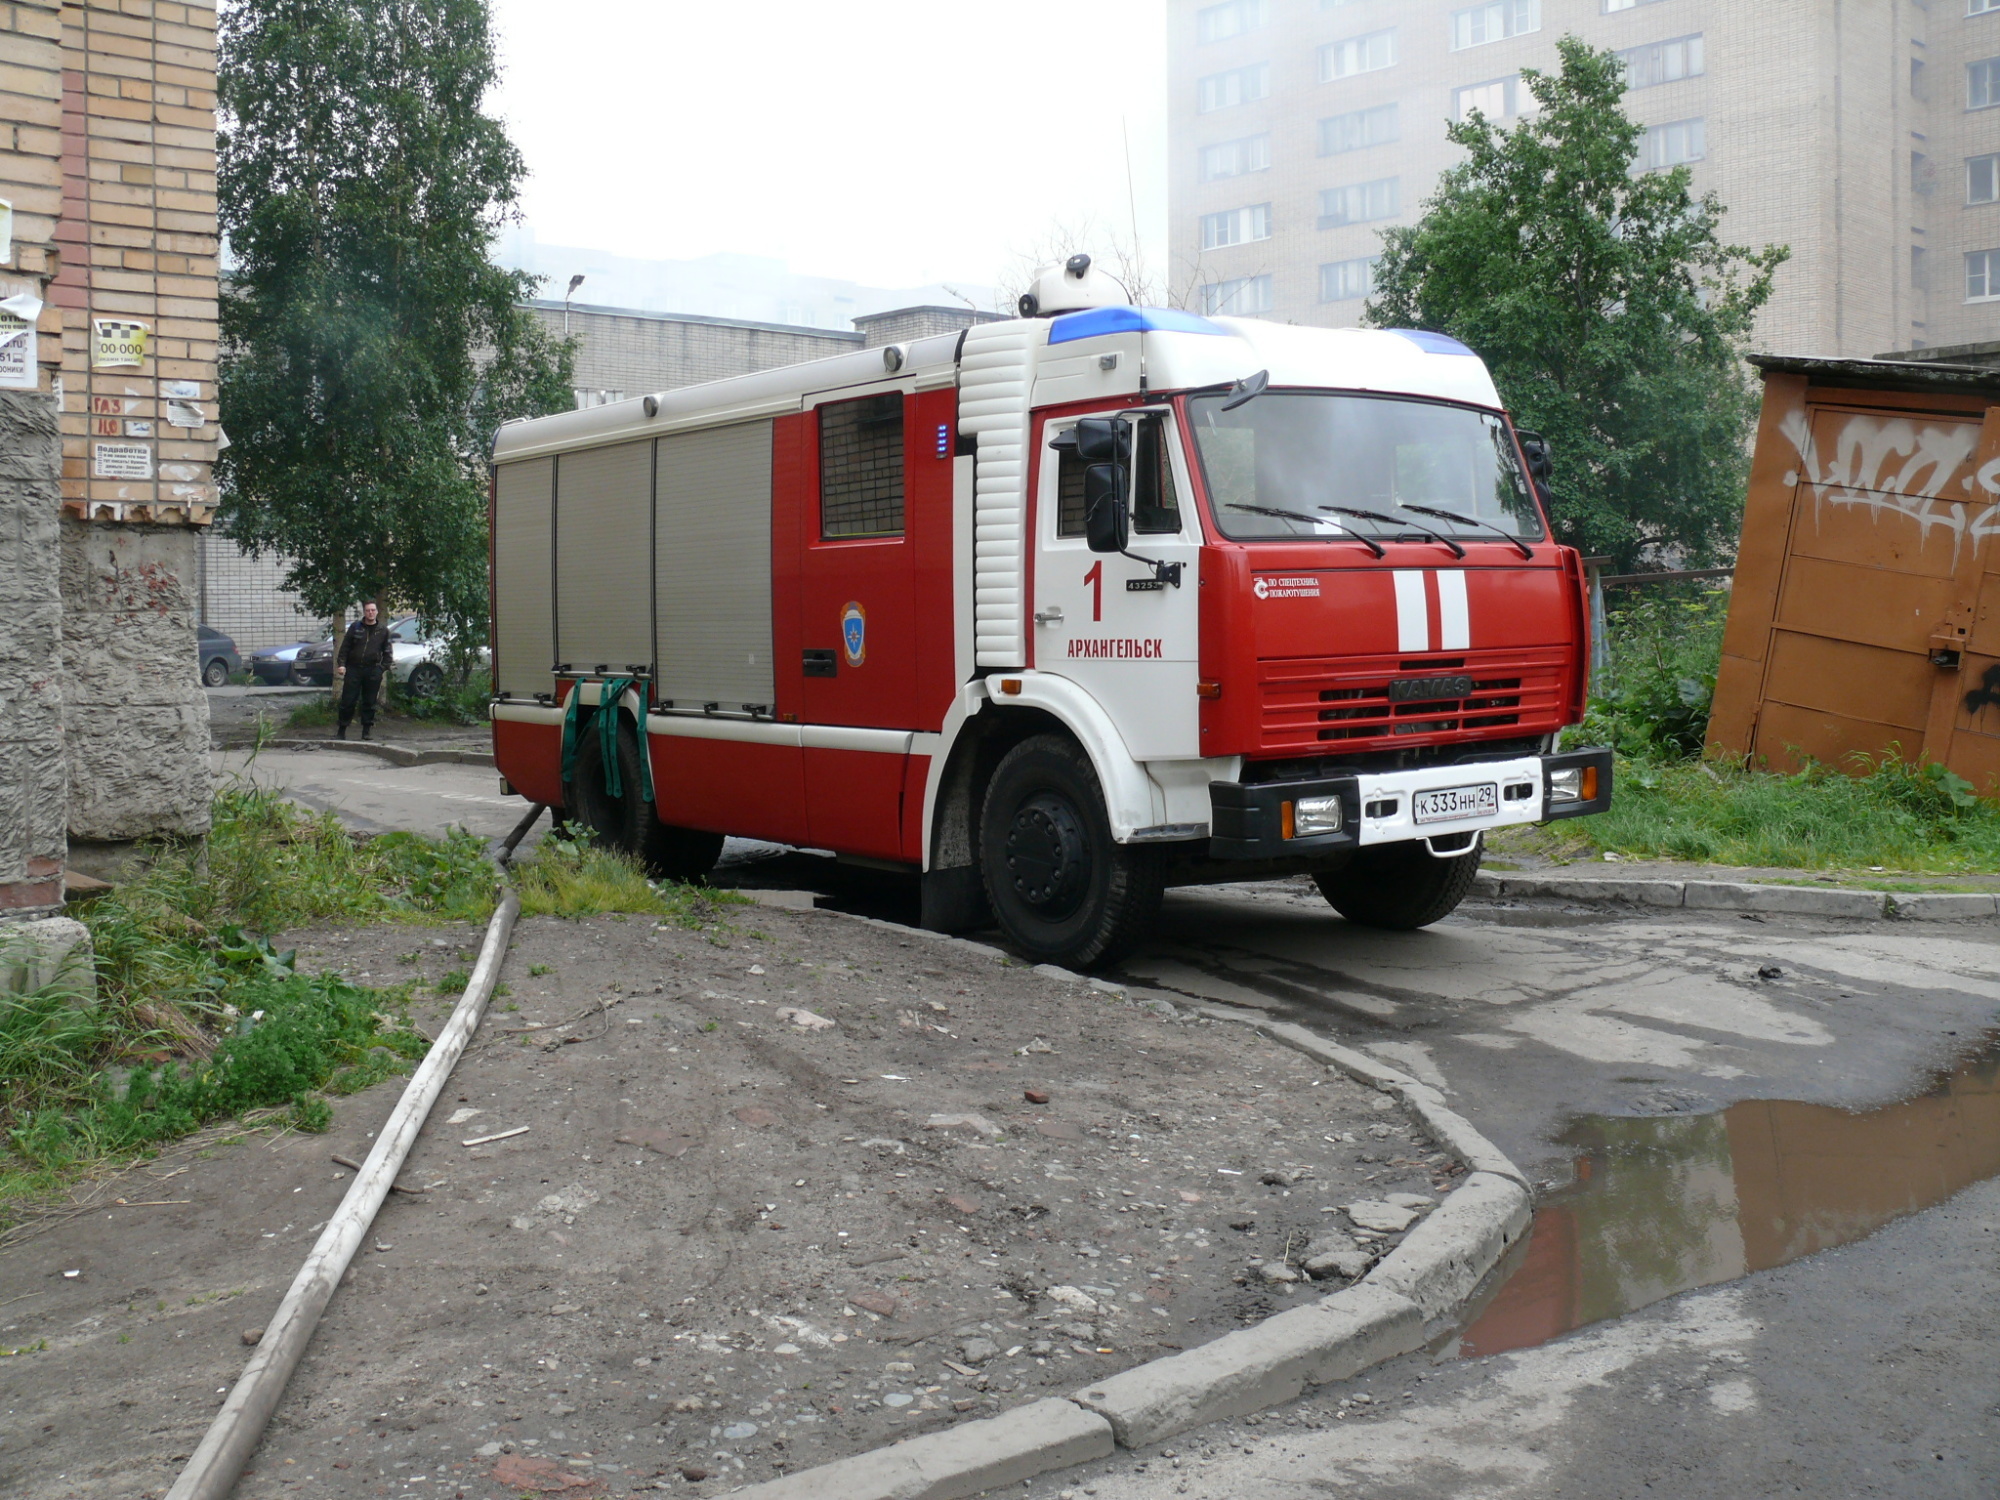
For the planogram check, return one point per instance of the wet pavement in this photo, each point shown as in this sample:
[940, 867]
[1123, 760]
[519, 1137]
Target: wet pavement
[1800, 1115]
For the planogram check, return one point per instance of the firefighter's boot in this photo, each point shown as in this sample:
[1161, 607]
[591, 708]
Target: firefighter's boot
[340, 732]
[368, 731]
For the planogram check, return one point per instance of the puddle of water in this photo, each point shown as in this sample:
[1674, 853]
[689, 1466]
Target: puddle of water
[1663, 1205]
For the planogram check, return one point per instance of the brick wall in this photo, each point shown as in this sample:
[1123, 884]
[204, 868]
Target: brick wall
[245, 597]
[631, 353]
[903, 324]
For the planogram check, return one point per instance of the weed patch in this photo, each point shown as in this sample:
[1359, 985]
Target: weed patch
[197, 1016]
[573, 876]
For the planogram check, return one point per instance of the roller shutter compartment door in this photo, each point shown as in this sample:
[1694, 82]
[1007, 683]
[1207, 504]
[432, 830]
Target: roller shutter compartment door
[603, 526]
[523, 576]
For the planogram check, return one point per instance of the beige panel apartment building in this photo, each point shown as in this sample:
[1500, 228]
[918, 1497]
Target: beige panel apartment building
[1864, 134]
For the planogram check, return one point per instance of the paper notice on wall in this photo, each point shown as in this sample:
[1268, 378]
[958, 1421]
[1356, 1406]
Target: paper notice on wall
[181, 390]
[184, 414]
[117, 343]
[18, 345]
[6, 232]
[121, 461]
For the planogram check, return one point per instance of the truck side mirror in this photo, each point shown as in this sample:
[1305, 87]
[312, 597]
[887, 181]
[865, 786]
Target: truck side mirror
[1107, 523]
[1535, 448]
[1103, 440]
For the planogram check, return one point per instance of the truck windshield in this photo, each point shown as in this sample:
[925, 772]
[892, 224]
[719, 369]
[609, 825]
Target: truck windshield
[1295, 451]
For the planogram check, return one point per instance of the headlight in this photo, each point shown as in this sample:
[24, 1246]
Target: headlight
[1573, 784]
[1308, 816]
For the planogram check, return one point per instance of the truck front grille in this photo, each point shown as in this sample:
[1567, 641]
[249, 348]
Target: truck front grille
[1309, 704]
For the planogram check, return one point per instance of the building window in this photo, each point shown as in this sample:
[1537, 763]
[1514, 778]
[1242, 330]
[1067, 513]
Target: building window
[1920, 270]
[1493, 22]
[1241, 295]
[1982, 84]
[1358, 54]
[1497, 99]
[1234, 158]
[1923, 175]
[1982, 179]
[1359, 203]
[588, 398]
[1982, 276]
[1362, 127]
[1345, 280]
[1218, 23]
[861, 467]
[1662, 62]
[1982, 7]
[1672, 144]
[1237, 226]
[1237, 86]
[1616, 5]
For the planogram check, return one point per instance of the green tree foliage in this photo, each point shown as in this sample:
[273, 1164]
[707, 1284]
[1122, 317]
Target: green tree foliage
[370, 345]
[1607, 307]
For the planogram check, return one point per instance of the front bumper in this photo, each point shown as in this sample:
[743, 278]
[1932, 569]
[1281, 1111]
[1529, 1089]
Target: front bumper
[1250, 821]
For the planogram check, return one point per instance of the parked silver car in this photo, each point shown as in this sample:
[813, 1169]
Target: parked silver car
[418, 664]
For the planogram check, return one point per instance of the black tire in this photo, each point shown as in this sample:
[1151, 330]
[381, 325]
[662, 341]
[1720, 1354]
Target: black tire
[627, 821]
[297, 678]
[1401, 887]
[683, 854]
[426, 680]
[1060, 888]
[215, 673]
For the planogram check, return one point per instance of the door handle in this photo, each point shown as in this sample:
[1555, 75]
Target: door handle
[819, 663]
[1053, 615]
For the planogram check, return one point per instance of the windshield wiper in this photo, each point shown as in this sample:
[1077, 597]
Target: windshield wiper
[1452, 515]
[1298, 515]
[1376, 515]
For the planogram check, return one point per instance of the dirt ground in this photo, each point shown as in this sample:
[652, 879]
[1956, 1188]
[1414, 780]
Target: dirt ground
[732, 1240]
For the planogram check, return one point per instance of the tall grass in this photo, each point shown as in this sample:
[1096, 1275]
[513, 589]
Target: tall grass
[196, 1016]
[1652, 707]
[572, 876]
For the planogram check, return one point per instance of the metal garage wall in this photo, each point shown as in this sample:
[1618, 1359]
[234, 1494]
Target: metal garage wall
[524, 624]
[713, 508]
[603, 557]
[1866, 610]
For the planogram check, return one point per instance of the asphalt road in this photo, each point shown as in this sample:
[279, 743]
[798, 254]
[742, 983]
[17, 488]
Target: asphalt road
[1703, 1099]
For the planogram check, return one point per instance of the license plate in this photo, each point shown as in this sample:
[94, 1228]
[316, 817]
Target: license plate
[1448, 804]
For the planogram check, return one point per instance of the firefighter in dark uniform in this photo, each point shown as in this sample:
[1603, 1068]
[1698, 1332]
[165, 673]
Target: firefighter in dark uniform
[360, 661]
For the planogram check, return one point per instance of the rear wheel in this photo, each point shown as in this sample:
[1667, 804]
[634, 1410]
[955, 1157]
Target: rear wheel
[216, 673]
[627, 822]
[426, 680]
[1060, 888]
[1400, 886]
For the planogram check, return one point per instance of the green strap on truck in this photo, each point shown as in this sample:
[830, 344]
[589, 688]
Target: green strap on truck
[574, 709]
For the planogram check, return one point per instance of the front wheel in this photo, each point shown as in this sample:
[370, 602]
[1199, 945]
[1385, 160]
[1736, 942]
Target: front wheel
[1062, 890]
[1400, 887]
[426, 680]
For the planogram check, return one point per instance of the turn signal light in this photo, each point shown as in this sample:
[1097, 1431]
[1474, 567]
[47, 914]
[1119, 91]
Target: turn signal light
[1573, 784]
[1590, 783]
[1011, 686]
[1208, 688]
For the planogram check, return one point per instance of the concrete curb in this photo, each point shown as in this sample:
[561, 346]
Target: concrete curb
[1731, 895]
[396, 755]
[1438, 1265]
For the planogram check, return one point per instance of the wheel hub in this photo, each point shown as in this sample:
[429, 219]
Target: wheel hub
[1048, 855]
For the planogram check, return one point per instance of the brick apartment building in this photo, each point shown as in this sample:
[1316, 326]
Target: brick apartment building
[1864, 134]
[107, 425]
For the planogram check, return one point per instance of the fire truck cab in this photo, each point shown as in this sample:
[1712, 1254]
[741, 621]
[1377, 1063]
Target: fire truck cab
[1054, 614]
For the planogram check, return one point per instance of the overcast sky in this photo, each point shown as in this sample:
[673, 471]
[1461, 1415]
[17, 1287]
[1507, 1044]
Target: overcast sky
[893, 142]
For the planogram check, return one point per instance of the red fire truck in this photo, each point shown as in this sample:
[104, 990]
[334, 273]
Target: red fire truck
[1053, 614]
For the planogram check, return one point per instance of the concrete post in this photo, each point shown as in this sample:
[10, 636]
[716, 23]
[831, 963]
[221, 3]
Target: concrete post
[33, 785]
[135, 721]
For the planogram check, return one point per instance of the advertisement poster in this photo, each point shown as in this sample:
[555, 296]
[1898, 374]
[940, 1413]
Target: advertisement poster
[121, 461]
[17, 341]
[117, 343]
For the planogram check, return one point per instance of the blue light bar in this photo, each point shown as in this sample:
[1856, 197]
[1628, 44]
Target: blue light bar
[1102, 320]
